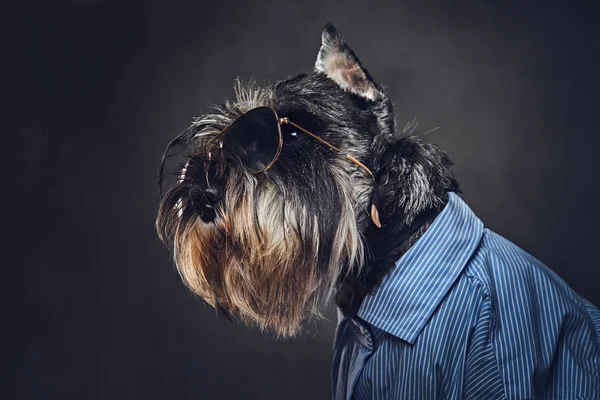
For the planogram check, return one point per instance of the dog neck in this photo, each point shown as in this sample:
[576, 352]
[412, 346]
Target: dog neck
[384, 248]
[405, 220]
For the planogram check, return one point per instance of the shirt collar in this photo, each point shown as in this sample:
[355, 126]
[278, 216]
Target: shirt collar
[411, 292]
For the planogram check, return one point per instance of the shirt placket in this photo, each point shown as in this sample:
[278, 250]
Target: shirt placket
[353, 347]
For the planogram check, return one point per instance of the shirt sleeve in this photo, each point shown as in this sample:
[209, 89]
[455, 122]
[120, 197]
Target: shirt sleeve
[544, 336]
[483, 378]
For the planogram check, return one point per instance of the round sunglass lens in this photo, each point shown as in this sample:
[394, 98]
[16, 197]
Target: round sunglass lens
[254, 138]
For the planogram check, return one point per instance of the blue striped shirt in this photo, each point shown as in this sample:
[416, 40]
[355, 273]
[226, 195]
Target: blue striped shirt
[466, 314]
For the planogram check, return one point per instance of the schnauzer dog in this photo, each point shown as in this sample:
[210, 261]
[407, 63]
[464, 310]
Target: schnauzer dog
[268, 231]
[303, 191]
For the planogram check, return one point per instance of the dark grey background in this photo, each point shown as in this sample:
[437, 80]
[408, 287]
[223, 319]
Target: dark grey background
[95, 89]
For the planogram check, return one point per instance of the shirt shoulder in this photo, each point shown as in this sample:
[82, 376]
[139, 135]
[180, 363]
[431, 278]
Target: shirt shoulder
[505, 269]
[544, 334]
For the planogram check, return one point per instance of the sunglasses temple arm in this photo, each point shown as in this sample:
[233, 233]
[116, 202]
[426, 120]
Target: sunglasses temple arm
[363, 166]
[375, 198]
[348, 156]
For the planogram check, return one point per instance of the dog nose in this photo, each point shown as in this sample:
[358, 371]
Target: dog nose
[204, 201]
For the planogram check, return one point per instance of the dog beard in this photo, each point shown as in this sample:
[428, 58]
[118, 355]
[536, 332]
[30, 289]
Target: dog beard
[274, 251]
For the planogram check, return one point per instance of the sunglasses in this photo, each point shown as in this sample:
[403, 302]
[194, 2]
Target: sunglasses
[256, 139]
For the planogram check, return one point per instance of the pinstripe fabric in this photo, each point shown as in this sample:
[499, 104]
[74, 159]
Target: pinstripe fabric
[466, 314]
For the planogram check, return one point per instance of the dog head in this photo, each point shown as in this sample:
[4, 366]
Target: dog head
[269, 246]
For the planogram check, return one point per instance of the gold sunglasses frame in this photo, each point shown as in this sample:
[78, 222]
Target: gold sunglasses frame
[286, 120]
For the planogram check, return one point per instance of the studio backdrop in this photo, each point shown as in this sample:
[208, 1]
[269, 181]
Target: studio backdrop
[96, 89]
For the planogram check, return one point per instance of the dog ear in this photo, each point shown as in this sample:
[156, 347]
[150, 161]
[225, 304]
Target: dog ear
[337, 60]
